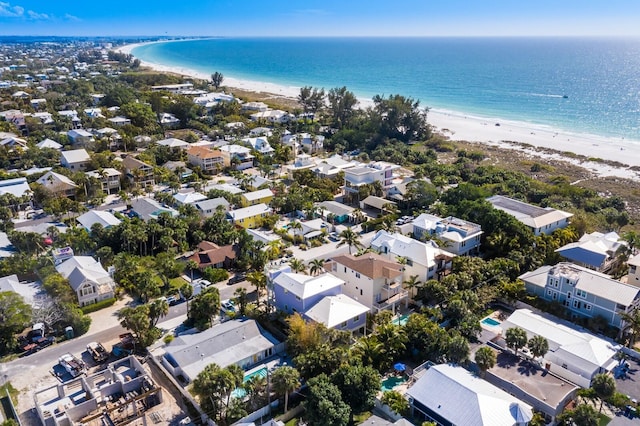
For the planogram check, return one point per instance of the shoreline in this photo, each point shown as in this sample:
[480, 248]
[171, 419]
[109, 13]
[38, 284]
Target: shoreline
[498, 132]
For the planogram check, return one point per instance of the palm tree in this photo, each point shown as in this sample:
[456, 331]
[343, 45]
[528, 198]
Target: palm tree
[604, 386]
[285, 380]
[633, 241]
[295, 226]
[412, 283]
[631, 321]
[274, 248]
[216, 79]
[349, 238]
[158, 308]
[259, 280]
[297, 265]
[187, 292]
[192, 266]
[538, 346]
[241, 299]
[516, 338]
[485, 359]
[316, 266]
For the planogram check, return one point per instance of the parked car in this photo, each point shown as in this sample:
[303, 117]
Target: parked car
[237, 279]
[174, 300]
[227, 306]
[204, 284]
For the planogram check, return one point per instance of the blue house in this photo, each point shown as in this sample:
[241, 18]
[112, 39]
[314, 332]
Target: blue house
[298, 293]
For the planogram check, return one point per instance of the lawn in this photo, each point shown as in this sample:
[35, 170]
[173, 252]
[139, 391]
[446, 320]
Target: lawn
[176, 283]
[604, 420]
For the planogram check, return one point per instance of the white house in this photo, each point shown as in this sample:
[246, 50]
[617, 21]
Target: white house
[425, 260]
[104, 218]
[88, 279]
[76, 159]
[173, 143]
[370, 279]
[379, 171]
[634, 270]
[339, 312]
[595, 251]
[574, 354]
[460, 237]
[451, 395]
[240, 342]
[260, 144]
[539, 220]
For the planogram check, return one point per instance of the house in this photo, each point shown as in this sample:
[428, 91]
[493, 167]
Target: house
[58, 184]
[332, 166]
[109, 178]
[173, 88]
[173, 143]
[378, 204]
[210, 254]
[255, 106]
[539, 220]
[265, 237]
[106, 396]
[110, 135]
[339, 312]
[460, 237]
[596, 251]
[634, 270]
[301, 162]
[119, 121]
[381, 172]
[335, 212]
[272, 116]
[207, 208]
[261, 131]
[80, 137]
[6, 247]
[29, 291]
[255, 182]
[256, 197]
[138, 172]
[249, 217]
[309, 229]
[294, 292]
[88, 279]
[48, 144]
[370, 279]
[14, 144]
[169, 121]
[209, 160]
[148, 208]
[574, 354]
[178, 167]
[237, 156]
[241, 342]
[76, 159]
[583, 292]
[260, 144]
[303, 141]
[18, 187]
[450, 395]
[426, 260]
[231, 189]
[189, 197]
[103, 218]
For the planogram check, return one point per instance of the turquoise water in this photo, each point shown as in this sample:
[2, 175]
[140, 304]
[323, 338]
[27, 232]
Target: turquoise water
[402, 320]
[522, 79]
[490, 321]
[390, 382]
[241, 393]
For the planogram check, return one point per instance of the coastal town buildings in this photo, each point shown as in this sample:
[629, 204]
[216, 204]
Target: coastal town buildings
[539, 220]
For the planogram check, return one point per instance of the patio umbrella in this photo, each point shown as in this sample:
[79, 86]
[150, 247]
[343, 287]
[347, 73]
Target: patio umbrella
[522, 415]
[399, 366]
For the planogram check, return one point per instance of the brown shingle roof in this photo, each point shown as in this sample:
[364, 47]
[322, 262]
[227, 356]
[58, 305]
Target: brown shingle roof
[371, 265]
[209, 254]
[202, 152]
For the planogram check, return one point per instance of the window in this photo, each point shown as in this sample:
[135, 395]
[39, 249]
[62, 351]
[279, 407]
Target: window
[360, 292]
[357, 274]
[356, 318]
[298, 298]
[569, 295]
[345, 269]
[549, 292]
[587, 307]
[555, 295]
[344, 324]
[581, 293]
[576, 304]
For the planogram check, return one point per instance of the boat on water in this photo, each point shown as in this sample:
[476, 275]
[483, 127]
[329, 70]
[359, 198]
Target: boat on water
[565, 96]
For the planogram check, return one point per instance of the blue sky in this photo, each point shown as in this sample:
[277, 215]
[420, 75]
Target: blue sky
[320, 18]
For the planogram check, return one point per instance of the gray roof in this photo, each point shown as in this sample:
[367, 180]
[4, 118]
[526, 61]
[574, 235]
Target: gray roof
[223, 344]
[205, 205]
[6, 248]
[17, 187]
[79, 269]
[464, 399]
[336, 208]
[75, 156]
[148, 208]
[532, 216]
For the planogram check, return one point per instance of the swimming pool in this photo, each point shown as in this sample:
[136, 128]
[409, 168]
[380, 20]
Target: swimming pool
[490, 321]
[391, 382]
[401, 320]
[240, 392]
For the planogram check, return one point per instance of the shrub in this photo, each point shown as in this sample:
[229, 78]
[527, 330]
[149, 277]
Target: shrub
[168, 338]
[97, 306]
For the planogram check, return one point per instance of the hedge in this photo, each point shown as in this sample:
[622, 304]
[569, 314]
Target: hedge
[97, 306]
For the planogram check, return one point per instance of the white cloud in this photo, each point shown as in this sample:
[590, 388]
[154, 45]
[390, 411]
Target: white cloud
[70, 17]
[7, 10]
[37, 16]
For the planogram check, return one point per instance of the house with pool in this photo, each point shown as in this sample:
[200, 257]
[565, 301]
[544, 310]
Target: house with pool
[242, 342]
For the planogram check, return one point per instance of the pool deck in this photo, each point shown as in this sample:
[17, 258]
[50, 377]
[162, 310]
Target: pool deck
[496, 315]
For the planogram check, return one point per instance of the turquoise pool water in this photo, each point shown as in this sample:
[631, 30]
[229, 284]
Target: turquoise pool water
[491, 322]
[391, 382]
[241, 393]
[402, 320]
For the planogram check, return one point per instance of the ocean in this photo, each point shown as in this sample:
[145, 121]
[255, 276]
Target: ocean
[583, 85]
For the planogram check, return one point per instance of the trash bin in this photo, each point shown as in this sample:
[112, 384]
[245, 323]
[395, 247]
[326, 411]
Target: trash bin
[68, 332]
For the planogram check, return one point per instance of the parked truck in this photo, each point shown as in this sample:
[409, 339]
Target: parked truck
[124, 347]
[72, 364]
[97, 352]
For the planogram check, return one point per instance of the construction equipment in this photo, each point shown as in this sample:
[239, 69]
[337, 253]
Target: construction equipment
[97, 352]
[72, 364]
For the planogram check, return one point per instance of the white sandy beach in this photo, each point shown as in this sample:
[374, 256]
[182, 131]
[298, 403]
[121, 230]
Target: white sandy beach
[459, 126]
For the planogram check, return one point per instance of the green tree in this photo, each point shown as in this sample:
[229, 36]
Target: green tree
[349, 238]
[157, 309]
[358, 386]
[204, 307]
[15, 316]
[324, 406]
[399, 117]
[241, 299]
[216, 79]
[311, 99]
[632, 322]
[187, 292]
[285, 380]
[316, 266]
[297, 265]
[485, 359]
[342, 104]
[582, 415]
[516, 338]
[604, 386]
[396, 401]
[538, 346]
[139, 321]
[458, 350]
[214, 386]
